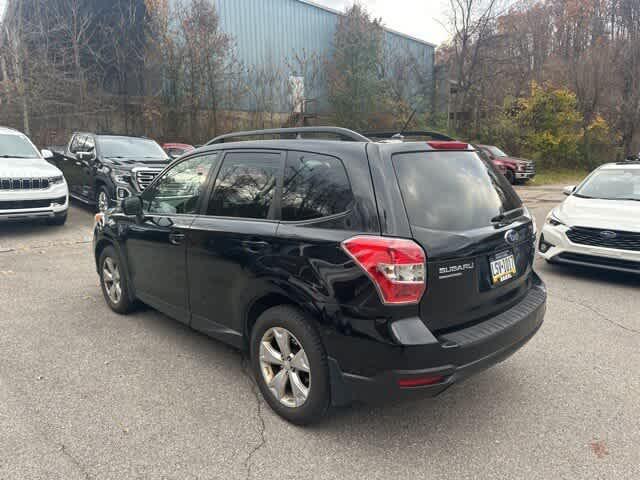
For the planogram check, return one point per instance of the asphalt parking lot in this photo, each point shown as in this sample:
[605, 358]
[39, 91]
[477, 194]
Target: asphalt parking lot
[88, 394]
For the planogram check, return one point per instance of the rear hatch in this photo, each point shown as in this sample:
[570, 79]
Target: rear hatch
[475, 231]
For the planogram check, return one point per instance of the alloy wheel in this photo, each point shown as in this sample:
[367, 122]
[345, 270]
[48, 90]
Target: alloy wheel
[111, 279]
[285, 367]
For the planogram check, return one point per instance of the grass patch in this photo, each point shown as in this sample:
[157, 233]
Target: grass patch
[560, 177]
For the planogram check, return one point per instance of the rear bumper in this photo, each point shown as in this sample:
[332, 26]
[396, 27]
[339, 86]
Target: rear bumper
[453, 356]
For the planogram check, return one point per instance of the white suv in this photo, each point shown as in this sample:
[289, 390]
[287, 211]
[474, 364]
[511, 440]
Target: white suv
[30, 187]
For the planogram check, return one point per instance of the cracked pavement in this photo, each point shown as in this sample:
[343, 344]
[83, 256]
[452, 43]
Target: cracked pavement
[88, 394]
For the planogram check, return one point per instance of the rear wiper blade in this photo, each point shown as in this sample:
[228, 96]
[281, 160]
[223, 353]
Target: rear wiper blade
[13, 156]
[504, 215]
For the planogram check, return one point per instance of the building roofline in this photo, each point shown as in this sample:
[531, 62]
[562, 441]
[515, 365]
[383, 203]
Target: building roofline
[386, 29]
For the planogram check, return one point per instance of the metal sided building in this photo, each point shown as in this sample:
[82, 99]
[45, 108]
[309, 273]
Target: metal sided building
[269, 34]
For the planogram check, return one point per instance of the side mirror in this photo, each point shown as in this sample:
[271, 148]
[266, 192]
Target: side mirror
[85, 155]
[46, 154]
[132, 206]
[569, 190]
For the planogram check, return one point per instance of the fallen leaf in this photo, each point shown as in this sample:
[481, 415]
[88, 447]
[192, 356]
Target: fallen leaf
[599, 448]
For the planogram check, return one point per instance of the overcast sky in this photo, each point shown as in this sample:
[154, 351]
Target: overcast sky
[414, 17]
[419, 18]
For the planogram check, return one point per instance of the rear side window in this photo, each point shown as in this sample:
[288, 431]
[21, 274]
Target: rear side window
[246, 186]
[315, 186]
[452, 191]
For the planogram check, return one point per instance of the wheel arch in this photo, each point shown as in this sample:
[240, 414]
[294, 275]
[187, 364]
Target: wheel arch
[101, 245]
[268, 300]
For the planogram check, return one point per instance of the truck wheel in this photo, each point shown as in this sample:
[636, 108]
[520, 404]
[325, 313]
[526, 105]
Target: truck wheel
[290, 365]
[103, 199]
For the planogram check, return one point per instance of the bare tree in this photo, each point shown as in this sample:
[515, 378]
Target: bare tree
[471, 23]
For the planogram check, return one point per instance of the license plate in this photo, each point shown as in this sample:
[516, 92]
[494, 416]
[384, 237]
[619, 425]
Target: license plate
[503, 267]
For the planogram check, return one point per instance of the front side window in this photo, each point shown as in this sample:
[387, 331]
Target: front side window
[130, 147]
[179, 190]
[89, 144]
[613, 184]
[16, 146]
[315, 186]
[246, 186]
[75, 143]
[496, 152]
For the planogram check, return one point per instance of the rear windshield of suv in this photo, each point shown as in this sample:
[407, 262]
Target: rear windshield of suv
[452, 191]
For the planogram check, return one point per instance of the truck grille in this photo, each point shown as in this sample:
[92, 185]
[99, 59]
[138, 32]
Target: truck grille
[530, 167]
[26, 204]
[605, 238]
[145, 176]
[24, 183]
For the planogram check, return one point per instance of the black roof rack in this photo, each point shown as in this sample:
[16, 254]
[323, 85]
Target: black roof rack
[394, 135]
[343, 133]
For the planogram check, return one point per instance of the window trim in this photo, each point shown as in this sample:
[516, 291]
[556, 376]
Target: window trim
[326, 218]
[276, 207]
[214, 167]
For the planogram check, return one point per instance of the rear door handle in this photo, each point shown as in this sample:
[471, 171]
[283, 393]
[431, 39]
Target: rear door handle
[176, 238]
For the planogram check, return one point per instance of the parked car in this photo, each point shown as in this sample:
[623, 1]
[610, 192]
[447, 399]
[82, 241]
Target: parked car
[349, 270]
[30, 188]
[104, 169]
[599, 224]
[175, 150]
[515, 169]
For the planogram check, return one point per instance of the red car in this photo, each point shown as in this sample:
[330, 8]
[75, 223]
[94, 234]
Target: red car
[515, 169]
[175, 150]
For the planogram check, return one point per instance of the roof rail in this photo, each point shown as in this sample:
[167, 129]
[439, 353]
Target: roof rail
[343, 133]
[395, 135]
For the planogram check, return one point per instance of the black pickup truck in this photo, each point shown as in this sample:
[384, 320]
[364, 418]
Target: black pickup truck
[104, 169]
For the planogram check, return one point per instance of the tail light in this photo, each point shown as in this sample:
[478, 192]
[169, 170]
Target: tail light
[396, 266]
[448, 145]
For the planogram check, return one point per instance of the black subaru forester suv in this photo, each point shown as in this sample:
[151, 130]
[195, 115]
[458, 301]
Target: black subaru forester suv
[348, 269]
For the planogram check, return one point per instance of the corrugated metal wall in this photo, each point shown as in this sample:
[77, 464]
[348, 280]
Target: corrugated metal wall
[268, 32]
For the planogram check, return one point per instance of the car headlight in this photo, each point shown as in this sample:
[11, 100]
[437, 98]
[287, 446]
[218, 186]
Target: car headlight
[553, 220]
[120, 176]
[56, 180]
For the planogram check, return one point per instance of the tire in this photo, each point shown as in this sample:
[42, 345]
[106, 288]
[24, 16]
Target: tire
[58, 220]
[511, 177]
[103, 195]
[303, 334]
[110, 264]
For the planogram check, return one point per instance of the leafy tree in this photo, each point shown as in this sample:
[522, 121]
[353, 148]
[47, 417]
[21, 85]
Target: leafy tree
[356, 85]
